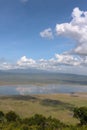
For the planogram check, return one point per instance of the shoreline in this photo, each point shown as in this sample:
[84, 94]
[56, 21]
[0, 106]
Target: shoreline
[73, 94]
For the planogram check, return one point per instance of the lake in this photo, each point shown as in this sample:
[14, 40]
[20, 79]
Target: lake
[45, 89]
[41, 83]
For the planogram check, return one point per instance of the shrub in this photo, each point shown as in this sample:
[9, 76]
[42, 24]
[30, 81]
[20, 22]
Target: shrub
[11, 116]
[81, 114]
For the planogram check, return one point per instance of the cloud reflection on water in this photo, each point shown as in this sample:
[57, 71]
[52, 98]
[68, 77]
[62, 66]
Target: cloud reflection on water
[50, 89]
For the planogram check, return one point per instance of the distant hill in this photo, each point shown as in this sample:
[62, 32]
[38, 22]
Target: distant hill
[26, 76]
[24, 71]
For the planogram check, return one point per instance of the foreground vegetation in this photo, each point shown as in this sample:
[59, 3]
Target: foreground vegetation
[12, 121]
[60, 106]
[67, 111]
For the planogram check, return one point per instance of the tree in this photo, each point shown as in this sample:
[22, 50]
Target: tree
[24, 127]
[11, 116]
[36, 121]
[53, 123]
[81, 114]
[1, 116]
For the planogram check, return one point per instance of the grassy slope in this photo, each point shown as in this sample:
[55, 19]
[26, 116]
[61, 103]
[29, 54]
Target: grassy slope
[57, 105]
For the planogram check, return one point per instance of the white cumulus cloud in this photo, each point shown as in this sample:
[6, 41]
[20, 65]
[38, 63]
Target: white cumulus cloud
[76, 29]
[47, 33]
[59, 63]
[53, 63]
[26, 62]
[68, 59]
[66, 63]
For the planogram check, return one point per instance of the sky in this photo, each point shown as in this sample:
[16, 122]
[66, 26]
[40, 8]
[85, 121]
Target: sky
[44, 34]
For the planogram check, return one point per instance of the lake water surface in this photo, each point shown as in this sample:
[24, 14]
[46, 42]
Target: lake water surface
[45, 89]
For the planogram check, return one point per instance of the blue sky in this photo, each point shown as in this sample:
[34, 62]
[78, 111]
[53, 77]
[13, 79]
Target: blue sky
[29, 32]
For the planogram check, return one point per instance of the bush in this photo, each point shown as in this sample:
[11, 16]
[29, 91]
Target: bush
[81, 114]
[24, 127]
[11, 116]
[1, 116]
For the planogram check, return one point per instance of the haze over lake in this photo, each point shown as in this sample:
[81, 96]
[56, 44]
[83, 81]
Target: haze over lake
[13, 83]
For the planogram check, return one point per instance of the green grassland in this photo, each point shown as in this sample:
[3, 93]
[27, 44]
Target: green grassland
[59, 106]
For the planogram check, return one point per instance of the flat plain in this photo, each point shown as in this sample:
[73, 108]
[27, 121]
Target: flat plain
[59, 106]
